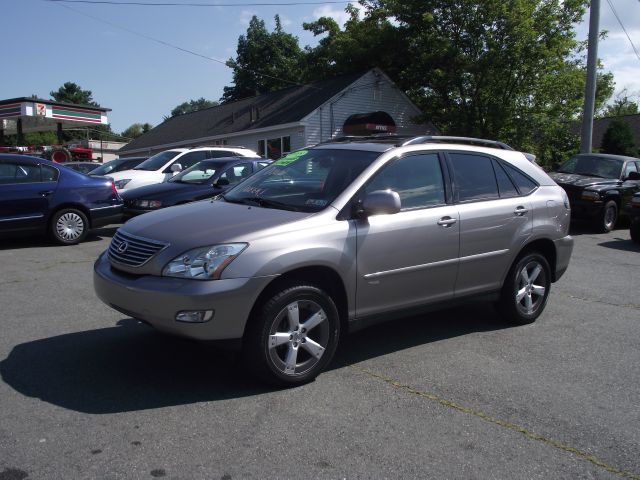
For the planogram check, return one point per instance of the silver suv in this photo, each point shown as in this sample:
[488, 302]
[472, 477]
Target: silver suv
[334, 237]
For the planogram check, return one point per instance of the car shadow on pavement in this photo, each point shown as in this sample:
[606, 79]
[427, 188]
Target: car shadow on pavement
[132, 367]
[621, 244]
[19, 242]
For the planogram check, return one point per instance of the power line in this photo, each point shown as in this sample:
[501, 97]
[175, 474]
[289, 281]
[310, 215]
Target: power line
[167, 44]
[623, 29]
[174, 4]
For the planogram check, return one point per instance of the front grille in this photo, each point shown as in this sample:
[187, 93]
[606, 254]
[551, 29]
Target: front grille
[138, 250]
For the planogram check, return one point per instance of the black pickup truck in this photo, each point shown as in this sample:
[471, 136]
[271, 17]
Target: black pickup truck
[599, 187]
[635, 218]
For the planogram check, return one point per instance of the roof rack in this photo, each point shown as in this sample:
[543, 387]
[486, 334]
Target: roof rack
[218, 146]
[448, 139]
[372, 138]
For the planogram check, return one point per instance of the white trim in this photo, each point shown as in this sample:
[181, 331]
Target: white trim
[167, 146]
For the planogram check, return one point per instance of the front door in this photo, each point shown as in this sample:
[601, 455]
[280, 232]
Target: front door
[411, 257]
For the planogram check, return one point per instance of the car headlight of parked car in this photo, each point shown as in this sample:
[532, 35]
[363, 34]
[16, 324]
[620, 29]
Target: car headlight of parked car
[590, 195]
[121, 183]
[205, 263]
[148, 203]
[635, 202]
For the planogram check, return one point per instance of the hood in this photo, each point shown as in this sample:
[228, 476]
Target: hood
[161, 191]
[207, 223]
[575, 180]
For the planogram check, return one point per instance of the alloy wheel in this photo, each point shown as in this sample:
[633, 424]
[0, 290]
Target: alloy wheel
[70, 226]
[531, 289]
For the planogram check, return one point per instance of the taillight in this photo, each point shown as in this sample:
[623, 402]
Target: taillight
[113, 188]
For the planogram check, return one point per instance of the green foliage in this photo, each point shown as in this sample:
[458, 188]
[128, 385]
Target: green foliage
[264, 62]
[135, 130]
[618, 139]
[72, 93]
[624, 104]
[192, 106]
[32, 139]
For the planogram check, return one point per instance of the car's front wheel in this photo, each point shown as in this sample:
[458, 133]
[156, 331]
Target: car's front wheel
[606, 221]
[526, 289]
[292, 336]
[69, 226]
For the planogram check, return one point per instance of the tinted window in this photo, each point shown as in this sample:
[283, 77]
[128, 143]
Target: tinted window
[524, 183]
[416, 178]
[591, 165]
[630, 167]
[474, 177]
[236, 173]
[221, 153]
[49, 174]
[190, 159]
[19, 173]
[505, 185]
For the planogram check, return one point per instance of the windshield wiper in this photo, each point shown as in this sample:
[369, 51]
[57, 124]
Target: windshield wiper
[263, 202]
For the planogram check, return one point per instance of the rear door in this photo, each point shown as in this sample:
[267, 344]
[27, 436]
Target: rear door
[26, 191]
[408, 258]
[495, 218]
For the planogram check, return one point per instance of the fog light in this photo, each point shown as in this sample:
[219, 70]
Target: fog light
[195, 316]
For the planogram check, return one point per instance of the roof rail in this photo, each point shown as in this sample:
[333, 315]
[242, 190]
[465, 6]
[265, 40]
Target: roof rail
[372, 137]
[447, 139]
[218, 146]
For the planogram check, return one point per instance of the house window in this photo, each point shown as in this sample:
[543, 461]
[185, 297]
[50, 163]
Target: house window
[274, 148]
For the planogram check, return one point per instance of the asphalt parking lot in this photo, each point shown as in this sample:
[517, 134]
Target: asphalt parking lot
[87, 393]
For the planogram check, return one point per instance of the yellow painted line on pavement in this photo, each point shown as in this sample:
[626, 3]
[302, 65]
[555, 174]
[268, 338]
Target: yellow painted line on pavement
[496, 421]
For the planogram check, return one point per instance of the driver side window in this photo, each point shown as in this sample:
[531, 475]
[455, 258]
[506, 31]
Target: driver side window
[416, 178]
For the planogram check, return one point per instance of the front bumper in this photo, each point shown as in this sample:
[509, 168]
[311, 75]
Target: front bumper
[586, 210]
[564, 248]
[157, 300]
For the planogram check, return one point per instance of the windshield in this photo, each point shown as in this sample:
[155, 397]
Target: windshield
[199, 174]
[106, 167]
[157, 161]
[306, 180]
[593, 166]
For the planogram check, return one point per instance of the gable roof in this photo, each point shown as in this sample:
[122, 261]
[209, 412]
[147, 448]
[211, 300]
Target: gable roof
[600, 126]
[276, 108]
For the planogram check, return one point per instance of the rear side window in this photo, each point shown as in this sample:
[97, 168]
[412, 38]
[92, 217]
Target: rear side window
[524, 183]
[474, 177]
[49, 174]
[221, 154]
[19, 173]
[416, 178]
[505, 185]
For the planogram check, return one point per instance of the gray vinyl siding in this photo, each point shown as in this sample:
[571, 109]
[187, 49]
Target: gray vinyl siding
[251, 141]
[326, 121]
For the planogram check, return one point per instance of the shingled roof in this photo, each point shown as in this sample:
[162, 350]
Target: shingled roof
[271, 109]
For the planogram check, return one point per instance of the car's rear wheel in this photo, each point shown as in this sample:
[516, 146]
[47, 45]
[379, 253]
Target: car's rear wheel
[526, 289]
[606, 221]
[69, 226]
[292, 336]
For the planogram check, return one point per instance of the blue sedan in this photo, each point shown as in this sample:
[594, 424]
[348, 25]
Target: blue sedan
[37, 195]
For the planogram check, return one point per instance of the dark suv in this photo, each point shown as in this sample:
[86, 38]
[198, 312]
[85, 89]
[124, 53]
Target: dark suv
[599, 187]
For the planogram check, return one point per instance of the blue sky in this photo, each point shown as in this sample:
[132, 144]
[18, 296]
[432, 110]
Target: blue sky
[46, 44]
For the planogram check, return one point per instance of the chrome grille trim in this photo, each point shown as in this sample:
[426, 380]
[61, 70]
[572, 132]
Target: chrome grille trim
[139, 250]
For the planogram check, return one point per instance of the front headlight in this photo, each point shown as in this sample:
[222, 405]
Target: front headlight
[121, 183]
[148, 203]
[205, 263]
[590, 195]
[635, 202]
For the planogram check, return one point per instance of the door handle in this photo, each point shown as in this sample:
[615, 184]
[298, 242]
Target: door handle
[520, 211]
[446, 221]
[46, 193]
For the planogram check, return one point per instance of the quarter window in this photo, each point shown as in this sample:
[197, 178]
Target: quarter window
[416, 178]
[524, 183]
[474, 177]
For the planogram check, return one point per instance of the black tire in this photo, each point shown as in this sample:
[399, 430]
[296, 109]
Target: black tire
[634, 230]
[60, 155]
[521, 300]
[606, 221]
[272, 345]
[68, 226]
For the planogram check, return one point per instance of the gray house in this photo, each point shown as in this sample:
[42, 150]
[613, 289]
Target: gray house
[279, 122]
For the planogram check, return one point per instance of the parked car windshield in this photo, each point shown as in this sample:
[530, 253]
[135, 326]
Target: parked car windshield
[306, 180]
[593, 166]
[106, 167]
[157, 161]
[200, 173]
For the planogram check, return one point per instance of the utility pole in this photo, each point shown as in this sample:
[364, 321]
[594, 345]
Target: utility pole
[590, 90]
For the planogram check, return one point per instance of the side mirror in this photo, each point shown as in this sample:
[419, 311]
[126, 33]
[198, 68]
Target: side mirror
[381, 202]
[633, 176]
[176, 167]
[221, 182]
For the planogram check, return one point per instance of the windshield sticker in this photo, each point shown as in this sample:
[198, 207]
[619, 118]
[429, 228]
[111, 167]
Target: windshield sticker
[292, 157]
[254, 191]
[317, 202]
